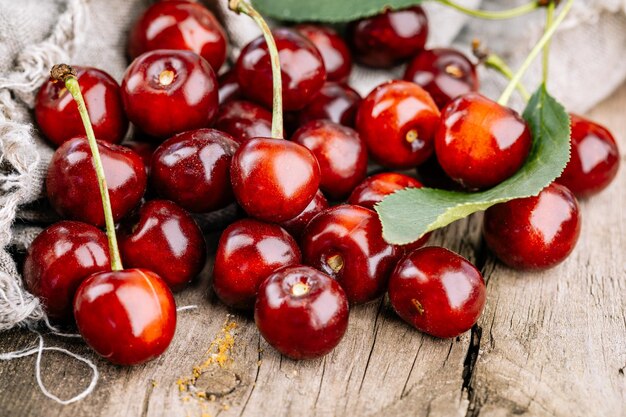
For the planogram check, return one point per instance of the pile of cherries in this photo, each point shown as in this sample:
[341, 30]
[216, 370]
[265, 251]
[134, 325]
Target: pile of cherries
[201, 143]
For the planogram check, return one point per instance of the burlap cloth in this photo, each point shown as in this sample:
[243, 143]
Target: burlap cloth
[588, 63]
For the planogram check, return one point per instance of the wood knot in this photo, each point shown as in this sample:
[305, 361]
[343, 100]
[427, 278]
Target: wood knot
[217, 382]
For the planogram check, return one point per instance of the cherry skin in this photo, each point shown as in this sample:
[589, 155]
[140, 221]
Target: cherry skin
[274, 179]
[346, 243]
[431, 175]
[167, 92]
[437, 291]
[59, 259]
[534, 233]
[228, 87]
[128, 317]
[145, 150]
[72, 185]
[192, 169]
[335, 53]
[302, 69]
[335, 102]
[340, 152]
[387, 39]
[594, 158]
[58, 117]
[398, 121]
[244, 120]
[164, 239]
[301, 312]
[181, 25]
[375, 188]
[480, 143]
[296, 226]
[445, 73]
[249, 251]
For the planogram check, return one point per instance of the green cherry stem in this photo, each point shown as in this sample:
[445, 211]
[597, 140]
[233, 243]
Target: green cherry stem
[66, 74]
[506, 95]
[495, 15]
[546, 50]
[494, 62]
[242, 6]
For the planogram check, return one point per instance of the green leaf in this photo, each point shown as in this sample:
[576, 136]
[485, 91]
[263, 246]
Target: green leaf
[331, 11]
[408, 214]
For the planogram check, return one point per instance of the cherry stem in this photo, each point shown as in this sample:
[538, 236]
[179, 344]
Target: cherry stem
[242, 6]
[67, 75]
[494, 62]
[495, 15]
[506, 95]
[546, 49]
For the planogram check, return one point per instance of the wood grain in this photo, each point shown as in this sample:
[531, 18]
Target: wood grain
[548, 344]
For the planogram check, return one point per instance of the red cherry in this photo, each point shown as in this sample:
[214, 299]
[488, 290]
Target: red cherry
[385, 40]
[480, 143]
[431, 175]
[301, 64]
[181, 25]
[335, 53]
[167, 92]
[59, 259]
[594, 158]
[398, 121]
[249, 251]
[301, 312]
[296, 226]
[375, 188]
[244, 120]
[229, 87]
[58, 117]
[437, 291]
[336, 102]
[535, 232]
[127, 317]
[274, 179]
[73, 188]
[346, 243]
[145, 150]
[166, 240]
[445, 73]
[193, 170]
[340, 152]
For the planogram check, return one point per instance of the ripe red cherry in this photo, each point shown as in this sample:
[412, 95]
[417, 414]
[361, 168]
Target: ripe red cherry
[594, 158]
[274, 179]
[535, 232]
[182, 25]
[398, 121]
[335, 102]
[164, 239]
[387, 39]
[145, 150]
[431, 175]
[437, 291]
[167, 92]
[244, 120]
[228, 87]
[480, 143]
[59, 259]
[73, 188]
[127, 317]
[335, 53]
[340, 152]
[301, 312]
[346, 243]
[296, 226]
[301, 64]
[445, 73]
[58, 117]
[249, 251]
[375, 188]
[193, 170]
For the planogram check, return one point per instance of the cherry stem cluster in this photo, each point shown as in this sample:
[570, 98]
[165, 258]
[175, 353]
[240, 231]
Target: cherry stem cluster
[243, 6]
[550, 30]
[67, 75]
[495, 15]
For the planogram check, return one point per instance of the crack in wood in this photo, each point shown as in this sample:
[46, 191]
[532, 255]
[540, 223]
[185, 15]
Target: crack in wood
[146, 399]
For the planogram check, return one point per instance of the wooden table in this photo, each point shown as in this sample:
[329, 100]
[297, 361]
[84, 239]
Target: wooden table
[547, 344]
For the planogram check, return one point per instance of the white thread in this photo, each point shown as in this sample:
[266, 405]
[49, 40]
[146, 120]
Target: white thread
[189, 307]
[39, 351]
